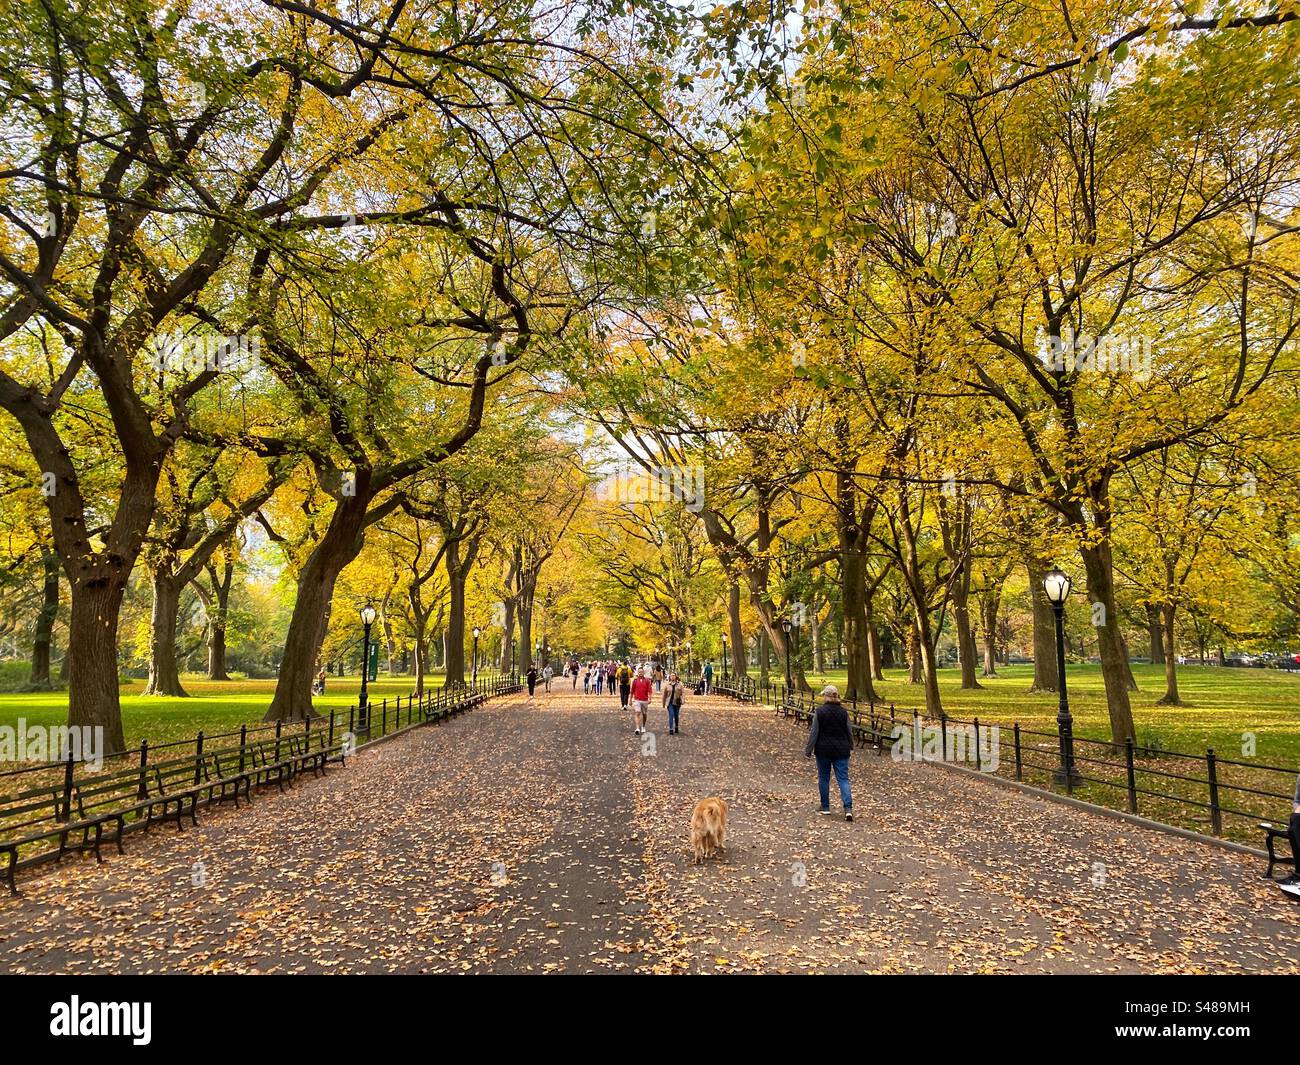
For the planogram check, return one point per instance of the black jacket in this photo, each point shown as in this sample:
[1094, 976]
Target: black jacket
[831, 736]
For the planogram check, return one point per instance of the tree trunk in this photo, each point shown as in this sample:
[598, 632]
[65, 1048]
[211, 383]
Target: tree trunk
[337, 547]
[455, 632]
[164, 673]
[929, 666]
[386, 627]
[873, 649]
[817, 644]
[507, 635]
[1114, 658]
[856, 639]
[93, 695]
[739, 659]
[419, 623]
[914, 656]
[1170, 698]
[966, 652]
[1046, 678]
[44, 635]
[218, 611]
[989, 626]
[1156, 633]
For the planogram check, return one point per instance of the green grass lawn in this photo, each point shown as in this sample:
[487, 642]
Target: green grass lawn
[213, 706]
[1220, 706]
[1224, 709]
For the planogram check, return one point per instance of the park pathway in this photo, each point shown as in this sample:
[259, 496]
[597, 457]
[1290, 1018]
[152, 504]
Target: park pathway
[544, 838]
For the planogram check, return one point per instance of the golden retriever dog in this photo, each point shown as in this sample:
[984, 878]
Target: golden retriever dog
[708, 828]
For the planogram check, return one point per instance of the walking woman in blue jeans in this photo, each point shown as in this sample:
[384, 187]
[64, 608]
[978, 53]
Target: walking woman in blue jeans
[674, 693]
[831, 740]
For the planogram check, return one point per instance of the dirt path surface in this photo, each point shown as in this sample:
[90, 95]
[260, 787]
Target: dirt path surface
[546, 837]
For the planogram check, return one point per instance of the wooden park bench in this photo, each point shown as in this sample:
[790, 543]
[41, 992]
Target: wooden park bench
[1271, 834]
[873, 729]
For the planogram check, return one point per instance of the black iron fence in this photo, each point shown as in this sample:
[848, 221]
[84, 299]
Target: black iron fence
[50, 808]
[1201, 791]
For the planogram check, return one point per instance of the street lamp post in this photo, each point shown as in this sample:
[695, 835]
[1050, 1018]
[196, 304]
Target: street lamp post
[1056, 585]
[363, 699]
[789, 678]
[474, 665]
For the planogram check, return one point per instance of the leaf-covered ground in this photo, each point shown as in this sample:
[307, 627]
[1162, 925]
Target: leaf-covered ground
[546, 838]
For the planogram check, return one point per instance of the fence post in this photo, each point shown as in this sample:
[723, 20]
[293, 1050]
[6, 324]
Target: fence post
[1132, 776]
[67, 785]
[198, 759]
[143, 791]
[1016, 731]
[1216, 812]
[278, 726]
[978, 764]
[383, 718]
[331, 743]
[243, 742]
[943, 734]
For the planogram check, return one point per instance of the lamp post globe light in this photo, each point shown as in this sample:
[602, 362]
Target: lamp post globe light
[789, 678]
[368, 615]
[1056, 586]
[474, 657]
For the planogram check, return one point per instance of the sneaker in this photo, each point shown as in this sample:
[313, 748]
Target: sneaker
[848, 815]
[825, 813]
[1294, 878]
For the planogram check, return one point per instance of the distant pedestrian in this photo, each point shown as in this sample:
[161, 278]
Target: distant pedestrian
[659, 677]
[641, 688]
[547, 673]
[586, 679]
[674, 695]
[532, 680]
[624, 685]
[831, 740]
[708, 677]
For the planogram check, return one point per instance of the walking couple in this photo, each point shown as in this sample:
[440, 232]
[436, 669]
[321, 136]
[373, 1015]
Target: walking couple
[674, 692]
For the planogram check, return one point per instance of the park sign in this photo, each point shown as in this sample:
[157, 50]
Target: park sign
[372, 667]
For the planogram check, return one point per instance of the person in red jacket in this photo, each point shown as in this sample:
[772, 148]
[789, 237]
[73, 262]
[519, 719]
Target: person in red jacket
[641, 688]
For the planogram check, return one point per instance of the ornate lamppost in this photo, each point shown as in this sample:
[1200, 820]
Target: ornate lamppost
[1056, 585]
[368, 615]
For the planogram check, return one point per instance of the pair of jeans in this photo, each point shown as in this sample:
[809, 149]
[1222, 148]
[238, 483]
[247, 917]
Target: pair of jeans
[841, 767]
[674, 716]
